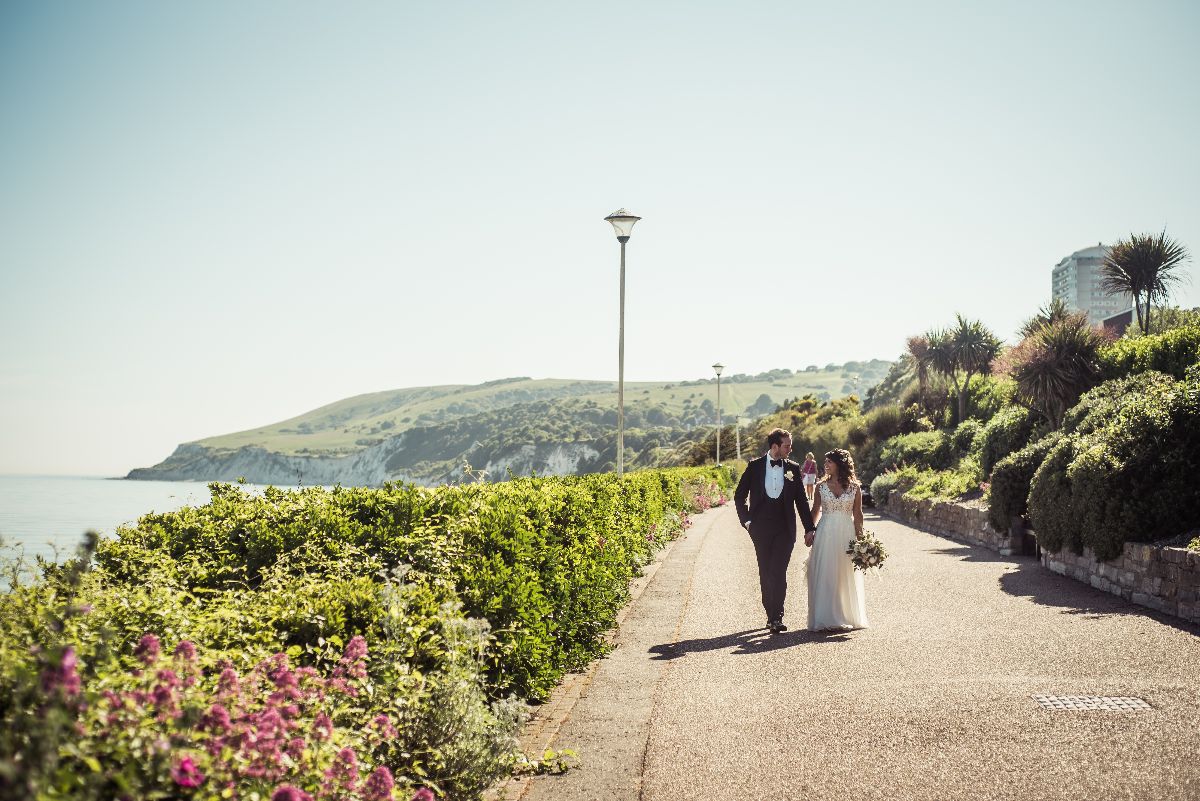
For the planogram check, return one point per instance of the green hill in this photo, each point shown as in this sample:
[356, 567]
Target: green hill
[425, 434]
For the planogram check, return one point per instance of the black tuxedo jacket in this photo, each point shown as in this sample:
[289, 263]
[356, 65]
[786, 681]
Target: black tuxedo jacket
[753, 487]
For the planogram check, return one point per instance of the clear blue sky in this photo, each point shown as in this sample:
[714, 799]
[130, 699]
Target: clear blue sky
[217, 215]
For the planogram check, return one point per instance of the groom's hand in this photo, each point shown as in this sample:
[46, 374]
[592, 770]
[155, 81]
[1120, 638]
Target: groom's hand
[809, 536]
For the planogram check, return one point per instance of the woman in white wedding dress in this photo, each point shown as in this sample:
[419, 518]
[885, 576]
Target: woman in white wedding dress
[835, 589]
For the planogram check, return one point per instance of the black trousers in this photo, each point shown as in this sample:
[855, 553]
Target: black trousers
[774, 552]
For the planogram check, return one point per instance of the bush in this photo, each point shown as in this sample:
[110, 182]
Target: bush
[1171, 352]
[1127, 471]
[1011, 477]
[1100, 405]
[884, 422]
[1010, 430]
[900, 480]
[464, 596]
[947, 484]
[964, 436]
[930, 449]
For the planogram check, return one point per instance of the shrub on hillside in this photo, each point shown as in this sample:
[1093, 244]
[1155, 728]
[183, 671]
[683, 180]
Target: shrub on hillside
[930, 449]
[884, 422]
[1011, 477]
[1098, 406]
[1010, 430]
[964, 436]
[900, 480]
[1131, 477]
[1171, 352]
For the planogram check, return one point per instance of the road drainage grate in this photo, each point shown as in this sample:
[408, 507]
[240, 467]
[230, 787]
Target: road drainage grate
[1078, 702]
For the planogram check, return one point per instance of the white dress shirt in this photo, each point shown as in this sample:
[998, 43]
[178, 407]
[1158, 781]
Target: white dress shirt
[774, 479]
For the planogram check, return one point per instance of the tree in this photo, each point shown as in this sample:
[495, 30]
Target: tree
[963, 351]
[1144, 265]
[1055, 364]
[918, 349]
[1053, 312]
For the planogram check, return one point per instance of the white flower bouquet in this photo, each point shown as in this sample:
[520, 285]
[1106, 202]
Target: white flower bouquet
[867, 552]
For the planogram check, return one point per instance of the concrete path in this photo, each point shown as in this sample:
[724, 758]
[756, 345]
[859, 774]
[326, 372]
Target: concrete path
[933, 702]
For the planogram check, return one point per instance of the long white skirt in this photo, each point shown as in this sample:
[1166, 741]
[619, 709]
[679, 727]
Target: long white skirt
[835, 589]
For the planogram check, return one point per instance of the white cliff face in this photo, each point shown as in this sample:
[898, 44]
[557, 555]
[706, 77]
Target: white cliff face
[371, 466]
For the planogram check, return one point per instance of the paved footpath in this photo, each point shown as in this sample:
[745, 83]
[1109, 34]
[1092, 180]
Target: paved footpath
[933, 702]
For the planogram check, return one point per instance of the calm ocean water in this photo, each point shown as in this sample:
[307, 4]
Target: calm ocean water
[45, 514]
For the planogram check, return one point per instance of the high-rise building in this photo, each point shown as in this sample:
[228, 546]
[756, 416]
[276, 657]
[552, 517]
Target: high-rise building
[1077, 282]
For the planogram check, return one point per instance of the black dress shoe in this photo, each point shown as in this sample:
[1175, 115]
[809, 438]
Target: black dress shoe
[779, 626]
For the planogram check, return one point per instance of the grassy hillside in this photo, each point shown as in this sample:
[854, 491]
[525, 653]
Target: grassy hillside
[354, 423]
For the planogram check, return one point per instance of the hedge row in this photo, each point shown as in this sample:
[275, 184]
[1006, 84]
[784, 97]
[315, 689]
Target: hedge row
[464, 595]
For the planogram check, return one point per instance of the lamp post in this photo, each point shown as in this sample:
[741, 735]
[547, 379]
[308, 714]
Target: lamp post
[622, 221]
[717, 368]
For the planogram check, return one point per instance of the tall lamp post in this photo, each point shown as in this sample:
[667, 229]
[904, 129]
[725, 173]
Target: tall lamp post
[717, 368]
[622, 221]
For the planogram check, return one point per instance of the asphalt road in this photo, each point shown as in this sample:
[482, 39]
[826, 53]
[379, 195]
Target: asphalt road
[934, 701]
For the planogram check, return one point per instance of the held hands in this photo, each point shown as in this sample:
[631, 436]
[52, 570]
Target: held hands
[809, 536]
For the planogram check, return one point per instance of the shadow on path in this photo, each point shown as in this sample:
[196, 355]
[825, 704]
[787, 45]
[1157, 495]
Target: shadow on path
[750, 641]
[1029, 579]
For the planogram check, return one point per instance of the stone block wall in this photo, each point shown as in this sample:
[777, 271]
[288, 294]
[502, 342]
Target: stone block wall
[957, 521]
[1162, 578]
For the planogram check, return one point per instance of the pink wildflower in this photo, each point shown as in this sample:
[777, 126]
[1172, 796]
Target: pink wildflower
[63, 676]
[383, 724]
[379, 784]
[147, 649]
[216, 719]
[186, 774]
[322, 727]
[286, 792]
[424, 794]
[343, 772]
[186, 650]
[228, 684]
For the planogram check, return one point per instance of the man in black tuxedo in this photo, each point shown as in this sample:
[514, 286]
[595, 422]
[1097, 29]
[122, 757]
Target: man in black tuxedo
[773, 484]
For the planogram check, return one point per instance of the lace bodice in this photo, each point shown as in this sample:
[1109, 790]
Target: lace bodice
[840, 504]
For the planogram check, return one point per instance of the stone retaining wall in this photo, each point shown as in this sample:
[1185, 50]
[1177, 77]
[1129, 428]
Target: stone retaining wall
[954, 520]
[1162, 578]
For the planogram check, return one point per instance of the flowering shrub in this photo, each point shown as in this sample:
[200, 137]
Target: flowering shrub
[321, 644]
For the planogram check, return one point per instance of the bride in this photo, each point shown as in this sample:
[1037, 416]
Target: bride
[835, 588]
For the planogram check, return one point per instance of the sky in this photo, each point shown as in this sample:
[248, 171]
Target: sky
[216, 215]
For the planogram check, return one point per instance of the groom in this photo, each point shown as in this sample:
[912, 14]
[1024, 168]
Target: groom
[773, 484]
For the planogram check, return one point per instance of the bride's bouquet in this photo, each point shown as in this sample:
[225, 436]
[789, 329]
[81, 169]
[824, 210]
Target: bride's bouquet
[866, 552]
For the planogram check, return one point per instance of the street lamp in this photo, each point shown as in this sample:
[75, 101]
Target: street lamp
[718, 367]
[622, 221]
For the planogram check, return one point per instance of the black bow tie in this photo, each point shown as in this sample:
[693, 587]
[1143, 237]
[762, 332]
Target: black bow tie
[776, 463]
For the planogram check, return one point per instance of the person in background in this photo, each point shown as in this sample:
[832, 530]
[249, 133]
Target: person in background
[809, 471]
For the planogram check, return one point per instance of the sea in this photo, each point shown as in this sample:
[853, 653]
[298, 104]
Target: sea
[48, 516]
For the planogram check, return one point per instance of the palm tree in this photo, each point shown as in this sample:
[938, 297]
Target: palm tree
[918, 350]
[1143, 265]
[975, 347]
[1056, 364]
[942, 355]
[1053, 312]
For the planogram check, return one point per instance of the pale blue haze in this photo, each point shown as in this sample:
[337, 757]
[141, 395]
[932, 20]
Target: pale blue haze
[218, 215]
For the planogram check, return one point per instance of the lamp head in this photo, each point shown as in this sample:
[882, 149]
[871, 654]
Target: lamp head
[718, 367]
[622, 221]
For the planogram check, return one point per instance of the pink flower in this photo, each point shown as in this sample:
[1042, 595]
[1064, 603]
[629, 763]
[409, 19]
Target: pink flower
[356, 649]
[383, 725]
[322, 727]
[379, 784]
[216, 719]
[424, 794]
[186, 650]
[286, 792]
[343, 772]
[186, 774]
[63, 676]
[147, 649]
[228, 683]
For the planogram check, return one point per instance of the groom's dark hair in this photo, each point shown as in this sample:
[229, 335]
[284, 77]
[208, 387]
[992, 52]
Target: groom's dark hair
[777, 436]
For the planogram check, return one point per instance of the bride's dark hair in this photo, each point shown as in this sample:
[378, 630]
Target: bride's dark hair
[845, 465]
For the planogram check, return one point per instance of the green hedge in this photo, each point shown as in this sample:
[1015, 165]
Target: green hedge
[1008, 494]
[466, 595]
[1125, 470]
[1171, 352]
[931, 449]
[1010, 430]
